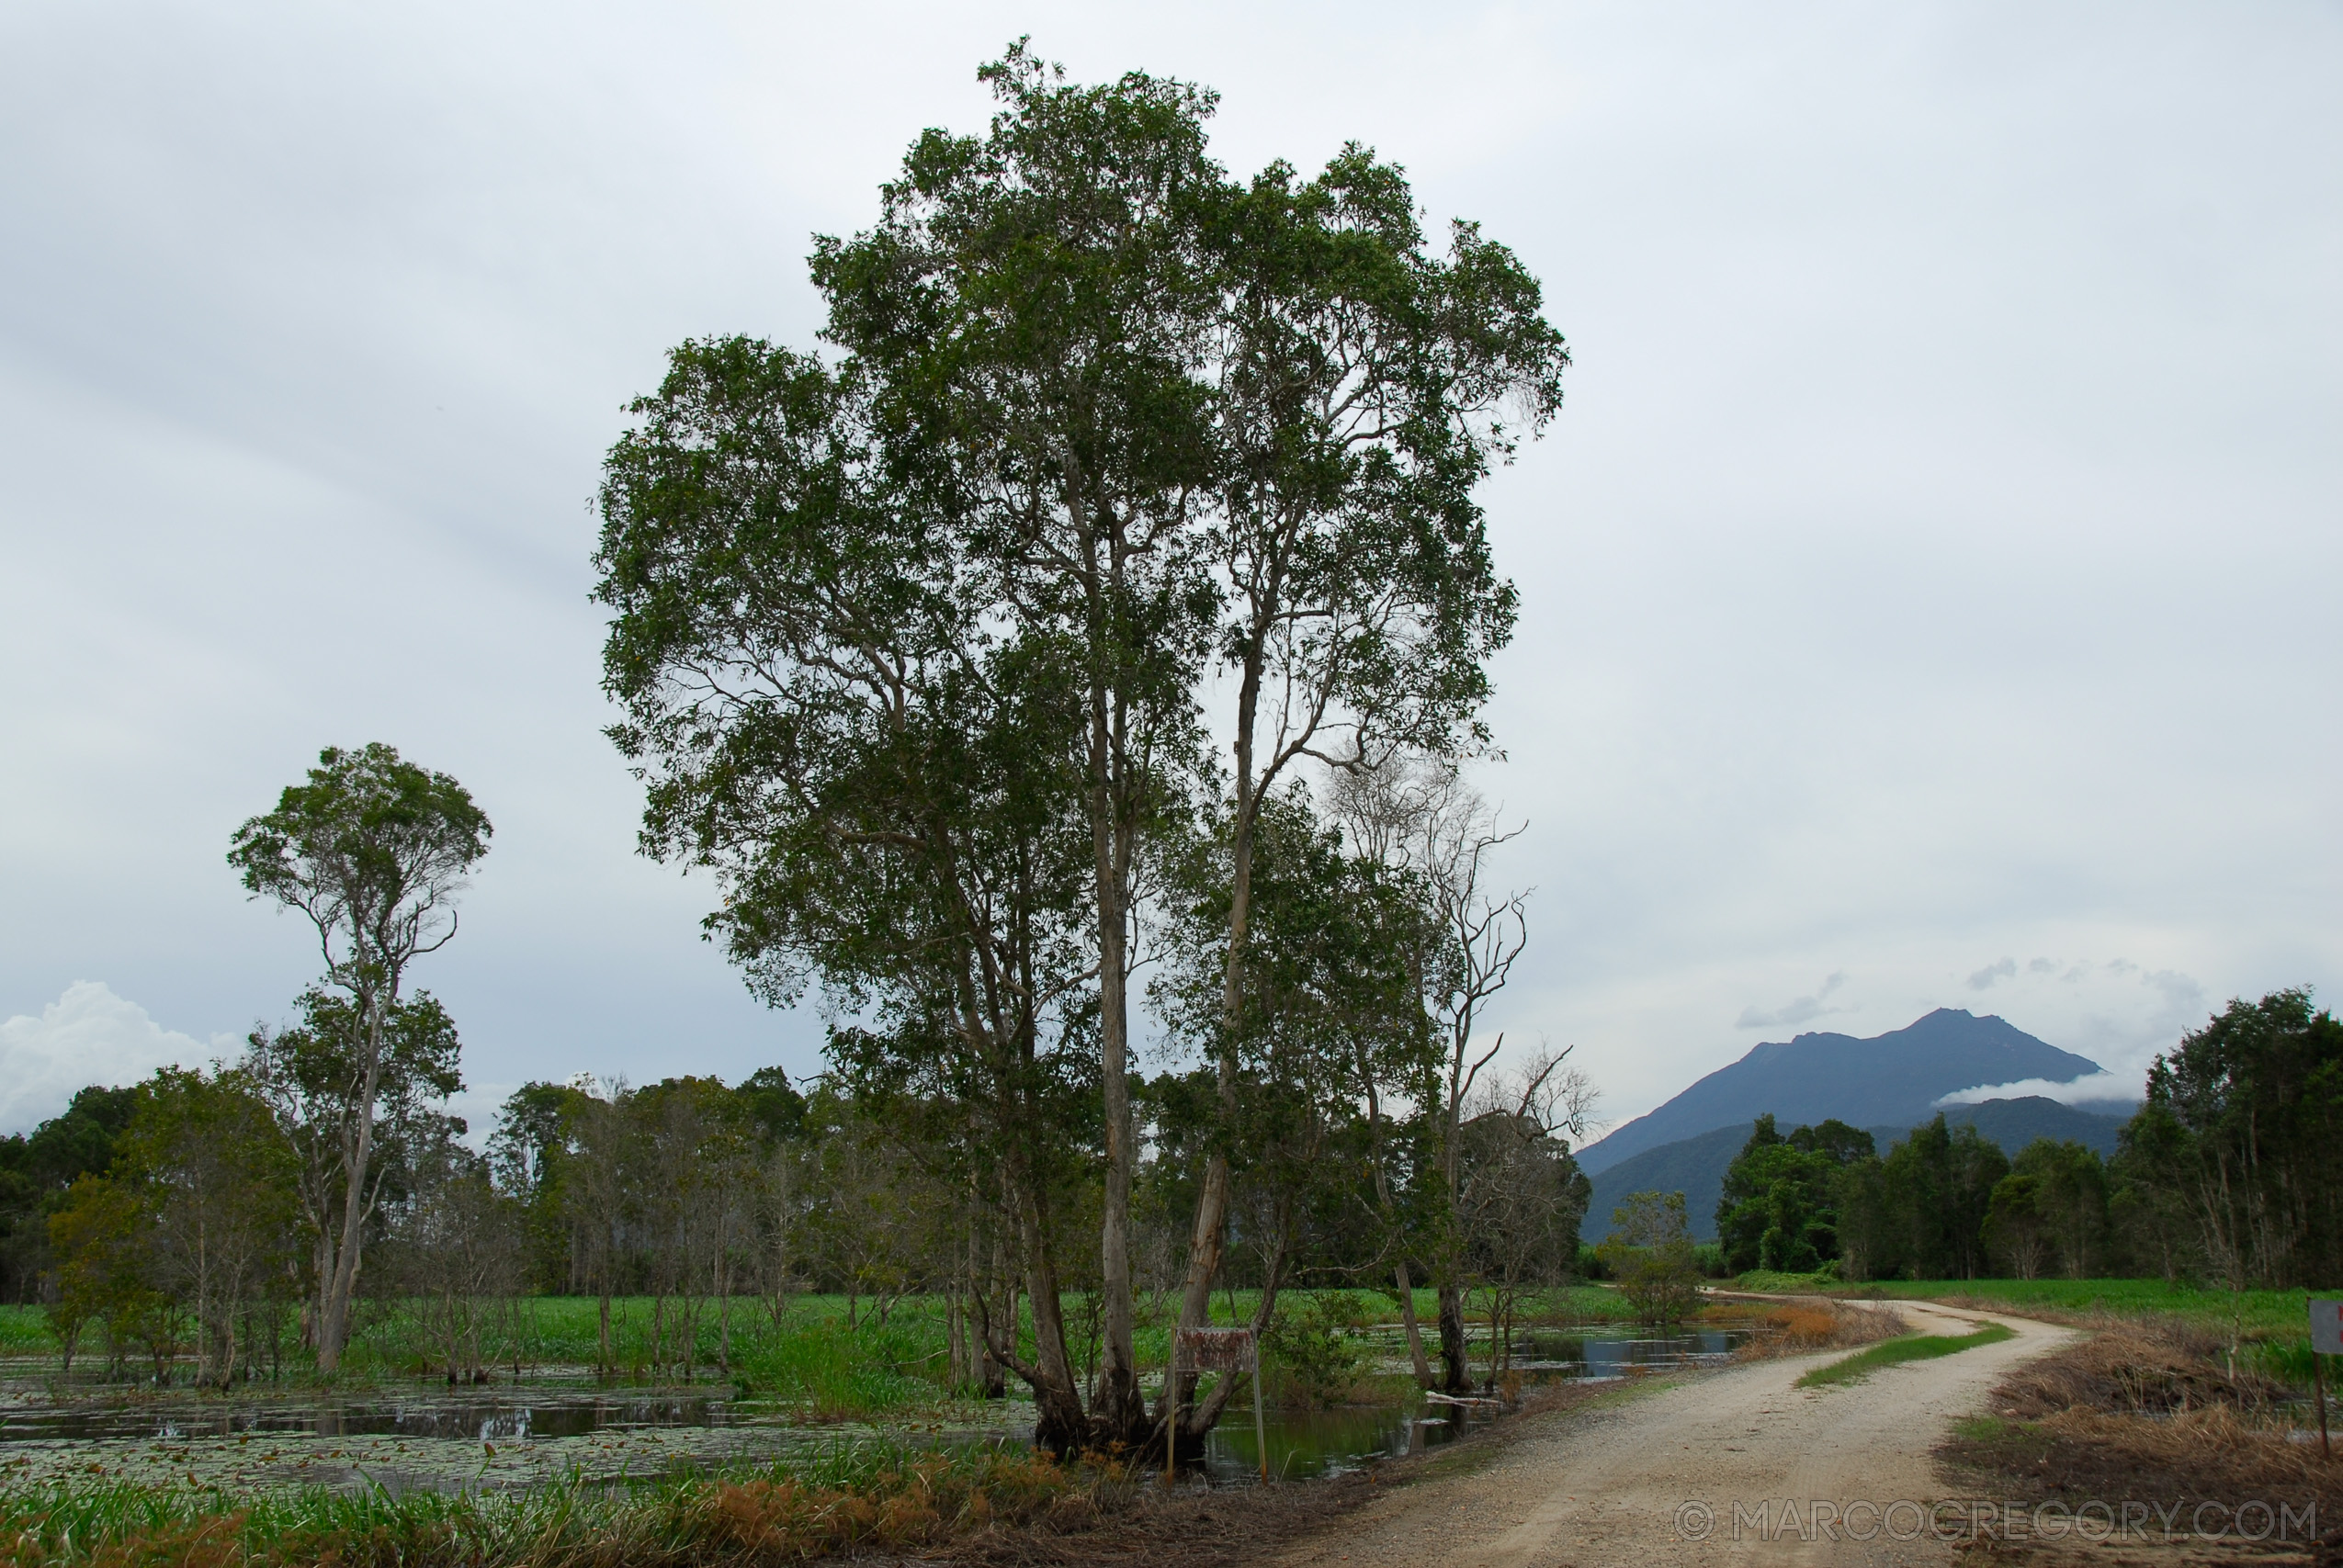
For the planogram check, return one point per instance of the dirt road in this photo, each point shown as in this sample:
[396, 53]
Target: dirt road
[1655, 1478]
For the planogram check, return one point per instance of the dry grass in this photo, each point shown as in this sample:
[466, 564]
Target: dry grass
[1799, 1328]
[2145, 1412]
[2134, 1368]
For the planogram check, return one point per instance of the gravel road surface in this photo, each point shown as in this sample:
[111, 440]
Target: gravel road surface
[1662, 1477]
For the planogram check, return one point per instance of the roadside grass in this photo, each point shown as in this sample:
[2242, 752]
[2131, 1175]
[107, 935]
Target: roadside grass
[857, 1497]
[1893, 1352]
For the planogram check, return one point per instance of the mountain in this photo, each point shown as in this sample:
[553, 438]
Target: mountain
[1892, 1080]
[1695, 1166]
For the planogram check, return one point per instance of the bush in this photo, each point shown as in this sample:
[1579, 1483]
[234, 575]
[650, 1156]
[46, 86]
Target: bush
[1649, 1252]
[1318, 1348]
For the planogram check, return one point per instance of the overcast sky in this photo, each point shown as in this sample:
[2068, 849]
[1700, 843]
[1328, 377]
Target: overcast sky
[1927, 590]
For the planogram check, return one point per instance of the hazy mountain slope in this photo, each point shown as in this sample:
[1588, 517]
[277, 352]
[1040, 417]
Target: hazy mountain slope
[1891, 1080]
[1695, 1166]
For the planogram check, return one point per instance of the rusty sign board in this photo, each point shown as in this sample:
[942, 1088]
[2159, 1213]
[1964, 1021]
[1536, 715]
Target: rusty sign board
[1219, 1349]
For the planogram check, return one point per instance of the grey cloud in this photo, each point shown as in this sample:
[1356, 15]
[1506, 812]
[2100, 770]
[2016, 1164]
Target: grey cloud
[2041, 966]
[242, 282]
[1796, 1010]
[1984, 978]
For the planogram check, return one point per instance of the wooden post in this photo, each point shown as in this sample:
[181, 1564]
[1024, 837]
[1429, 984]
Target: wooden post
[1171, 1407]
[1261, 1430]
[2318, 1382]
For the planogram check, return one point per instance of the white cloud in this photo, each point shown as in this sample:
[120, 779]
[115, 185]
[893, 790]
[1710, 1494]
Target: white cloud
[2090, 1089]
[1795, 1012]
[2116, 1012]
[88, 1036]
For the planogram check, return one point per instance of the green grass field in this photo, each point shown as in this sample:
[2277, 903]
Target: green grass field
[2262, 1313]
[810, 1351]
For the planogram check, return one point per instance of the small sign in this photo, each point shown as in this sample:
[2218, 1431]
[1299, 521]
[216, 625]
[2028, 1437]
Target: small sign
[2326, 1327]
[1217, 1349]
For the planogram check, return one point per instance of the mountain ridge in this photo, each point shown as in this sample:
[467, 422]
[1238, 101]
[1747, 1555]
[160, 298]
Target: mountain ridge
[1696, 1165]
[1893, 1079]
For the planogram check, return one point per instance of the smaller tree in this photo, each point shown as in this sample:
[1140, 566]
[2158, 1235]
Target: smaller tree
[373, 849]
[2071, 1183]
[100, 1238]
[1649, 1253]
[1522, 1195]
[187, 1229]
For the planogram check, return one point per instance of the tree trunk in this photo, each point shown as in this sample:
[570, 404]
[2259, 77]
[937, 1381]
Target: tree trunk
[1456, 1359]
[334, 1318]
[1118, 1414]
[1060, 1426]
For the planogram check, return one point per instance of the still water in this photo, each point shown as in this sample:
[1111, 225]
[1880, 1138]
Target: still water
[517, 1435]
[1306, 1443]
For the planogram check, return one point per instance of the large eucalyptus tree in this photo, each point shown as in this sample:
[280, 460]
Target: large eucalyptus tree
[915, 642]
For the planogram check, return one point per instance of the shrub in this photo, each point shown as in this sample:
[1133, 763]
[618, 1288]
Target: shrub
[1318, 1348]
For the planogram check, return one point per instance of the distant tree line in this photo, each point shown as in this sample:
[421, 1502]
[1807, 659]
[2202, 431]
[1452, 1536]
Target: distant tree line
[2230, 1173]
[171, 1231]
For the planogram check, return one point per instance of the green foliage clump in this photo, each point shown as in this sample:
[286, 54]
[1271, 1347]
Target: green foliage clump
[2049, 1210]
[2234, 1169]
[1780, 1207]
[1318, 1348]
[840, 1373]
[1649, 1253]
